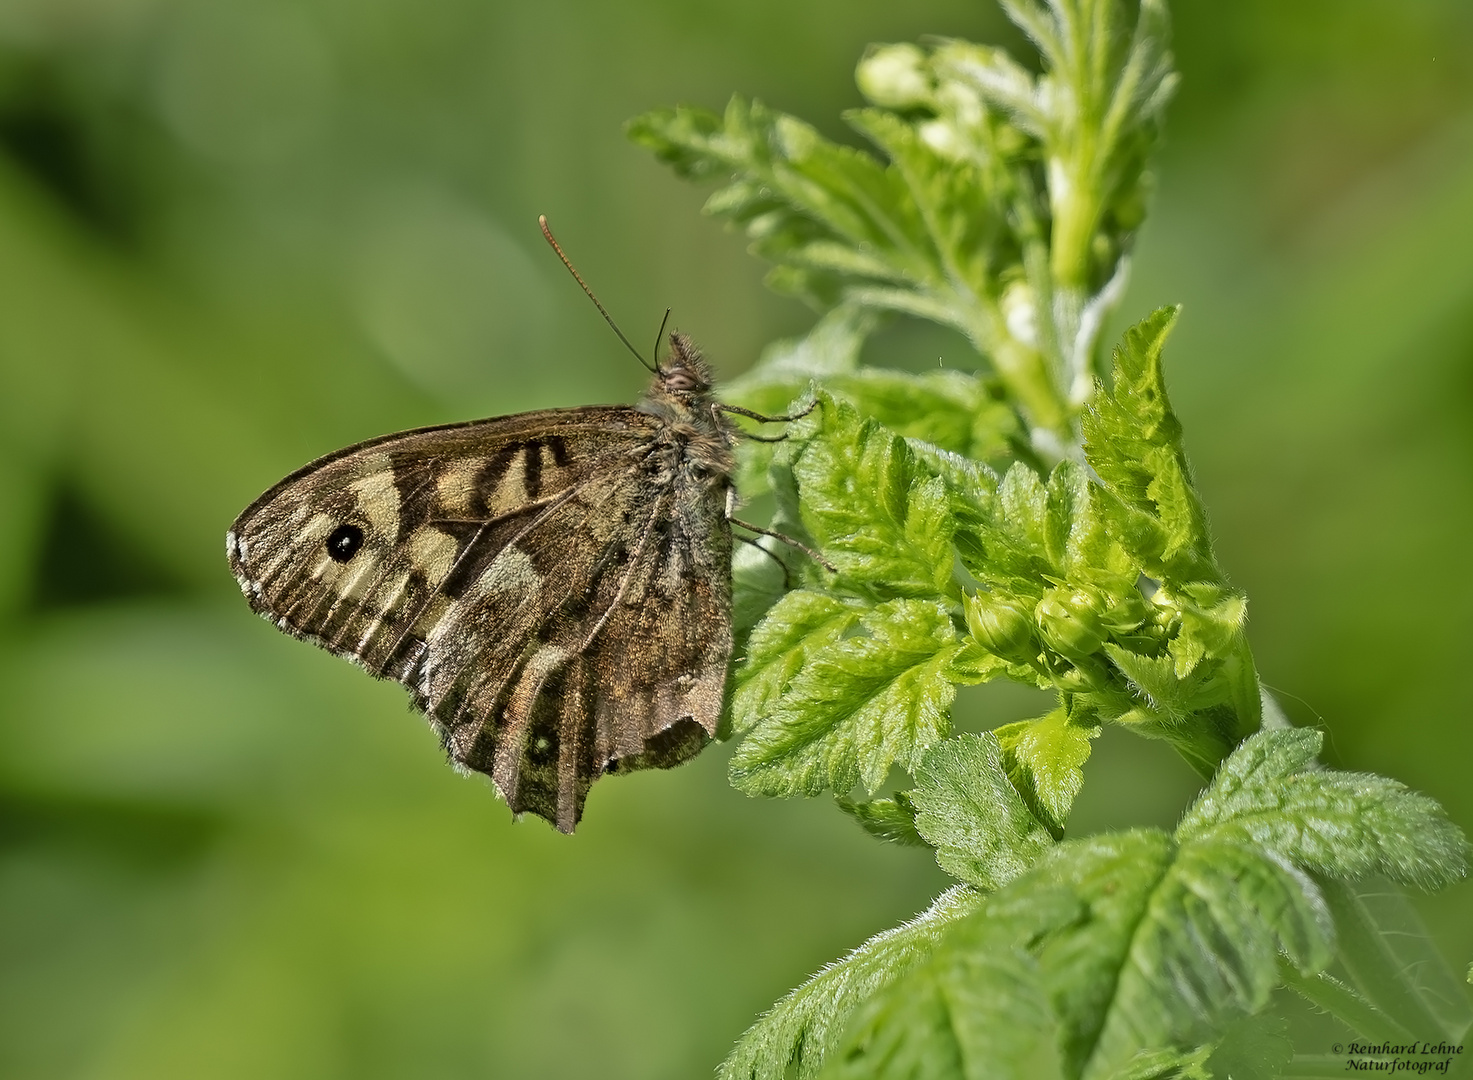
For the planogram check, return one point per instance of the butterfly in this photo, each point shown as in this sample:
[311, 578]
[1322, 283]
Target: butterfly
[553, 587]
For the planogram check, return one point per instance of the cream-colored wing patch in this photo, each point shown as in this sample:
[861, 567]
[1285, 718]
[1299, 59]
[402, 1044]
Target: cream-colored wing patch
[432, 553]
[510, 577]
[456, 487]
[510, 490]
[377, 495]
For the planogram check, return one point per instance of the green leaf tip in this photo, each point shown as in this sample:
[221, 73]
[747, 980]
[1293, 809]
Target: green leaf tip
[1045, 759]
[891, 819]
[1133, 441]
[878, 516]
[968, 810]
[1343, 825]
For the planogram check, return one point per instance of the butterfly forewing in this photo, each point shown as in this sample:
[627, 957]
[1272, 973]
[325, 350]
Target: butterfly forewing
[553, 587]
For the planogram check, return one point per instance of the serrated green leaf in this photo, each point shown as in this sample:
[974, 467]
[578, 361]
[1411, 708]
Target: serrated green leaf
[968, 810]
[1134, 443]
[682, 138]
[1212, 620]
[1074, 534]
[801, 1030]
[1346, 825]
[940, 407]
[973, 664]
[857, 706]
[1000, 535]
[1066, 502]
[1044, 759]
[878, 518]
[799, 625]
[800, 196]
[971, 232]
[892, 820]
[1023, 501]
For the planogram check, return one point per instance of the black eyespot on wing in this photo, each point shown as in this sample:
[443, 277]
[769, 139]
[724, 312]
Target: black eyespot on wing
[343, 542]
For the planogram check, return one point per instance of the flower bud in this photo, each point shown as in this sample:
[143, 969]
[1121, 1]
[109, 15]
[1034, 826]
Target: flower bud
[1070, 623]
[1081, 675]
[894, 76]
[1001, 626]
[1164, 617]
[1124, 611]
[1020, 312]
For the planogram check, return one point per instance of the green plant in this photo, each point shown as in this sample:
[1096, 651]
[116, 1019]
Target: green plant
[1040, 525]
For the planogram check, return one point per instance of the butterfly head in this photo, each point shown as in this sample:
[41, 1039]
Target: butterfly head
[684, 371]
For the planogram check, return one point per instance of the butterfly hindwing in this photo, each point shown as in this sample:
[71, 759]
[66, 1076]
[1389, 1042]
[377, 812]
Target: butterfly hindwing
[553, 587]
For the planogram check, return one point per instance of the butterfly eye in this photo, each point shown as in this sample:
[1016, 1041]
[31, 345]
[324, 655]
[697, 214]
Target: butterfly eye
[680, 381]
[344, 541]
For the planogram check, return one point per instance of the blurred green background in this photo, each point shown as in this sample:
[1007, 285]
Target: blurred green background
[238, 234]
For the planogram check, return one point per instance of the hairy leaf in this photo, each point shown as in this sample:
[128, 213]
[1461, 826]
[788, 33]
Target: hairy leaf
[892, 819]
[797, 626]
[1044, 759]
[878, 518]
[857, 706]
[1134, 443]
[1345, 825]
[976, 1009]
[1143, 949]
[968, 810]
[1148, 949]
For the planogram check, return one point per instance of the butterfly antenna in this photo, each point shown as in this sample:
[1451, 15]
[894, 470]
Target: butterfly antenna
[546, 232]
[659, 337]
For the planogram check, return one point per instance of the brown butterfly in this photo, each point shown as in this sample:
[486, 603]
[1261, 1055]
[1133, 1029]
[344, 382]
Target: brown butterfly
[553, 587]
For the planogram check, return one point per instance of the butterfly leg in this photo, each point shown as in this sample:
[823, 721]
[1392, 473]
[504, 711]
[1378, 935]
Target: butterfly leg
[787, 574]
[815, 556]
[760, 418]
